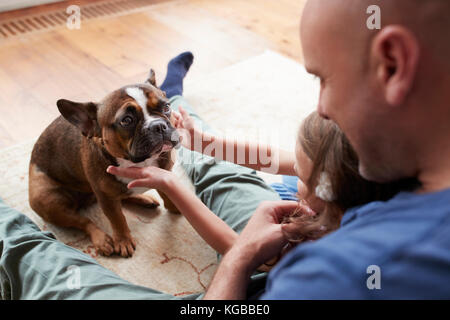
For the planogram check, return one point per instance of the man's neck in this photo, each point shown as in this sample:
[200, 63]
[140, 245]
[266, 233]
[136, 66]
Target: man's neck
[435, 173]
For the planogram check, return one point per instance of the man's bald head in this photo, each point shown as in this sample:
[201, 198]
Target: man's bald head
[382, 87]
[429, 21]
[346, 20]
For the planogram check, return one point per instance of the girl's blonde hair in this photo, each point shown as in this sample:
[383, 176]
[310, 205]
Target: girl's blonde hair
[330, 152]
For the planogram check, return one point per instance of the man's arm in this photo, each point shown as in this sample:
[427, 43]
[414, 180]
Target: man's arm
[231, 279]
[261, 240]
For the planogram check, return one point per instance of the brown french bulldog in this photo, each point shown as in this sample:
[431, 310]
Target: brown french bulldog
[129, 127]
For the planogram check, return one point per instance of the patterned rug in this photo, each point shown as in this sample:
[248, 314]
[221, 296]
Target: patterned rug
[263, 98]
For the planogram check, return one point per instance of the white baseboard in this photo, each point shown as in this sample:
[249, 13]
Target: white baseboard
[7, 5]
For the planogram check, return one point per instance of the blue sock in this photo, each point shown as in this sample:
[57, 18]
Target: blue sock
[176, 71]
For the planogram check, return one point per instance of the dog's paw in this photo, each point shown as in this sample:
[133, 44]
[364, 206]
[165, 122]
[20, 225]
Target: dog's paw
[102, 242]
[171, 207]
[124, 245]
[146, 201]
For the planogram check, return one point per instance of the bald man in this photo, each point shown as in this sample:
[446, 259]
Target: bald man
[389, 91]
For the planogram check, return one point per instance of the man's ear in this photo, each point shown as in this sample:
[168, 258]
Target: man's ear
[151, 78]
[81, 115]
[396, 53]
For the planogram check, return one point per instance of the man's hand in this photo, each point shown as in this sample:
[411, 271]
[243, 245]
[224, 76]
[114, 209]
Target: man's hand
[261, 240]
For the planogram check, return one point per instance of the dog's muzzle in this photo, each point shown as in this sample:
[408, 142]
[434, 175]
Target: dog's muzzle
[158, 136]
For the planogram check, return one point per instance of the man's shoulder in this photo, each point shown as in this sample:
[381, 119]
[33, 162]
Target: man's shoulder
[394, 239]
[382, 229]
[404, 207]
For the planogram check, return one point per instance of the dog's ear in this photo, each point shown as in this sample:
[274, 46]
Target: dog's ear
[151, 78]
[81, 115]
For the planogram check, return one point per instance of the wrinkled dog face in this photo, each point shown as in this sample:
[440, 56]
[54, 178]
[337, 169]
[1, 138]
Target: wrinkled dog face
[153, 132]
[140, 127]
[134, 122]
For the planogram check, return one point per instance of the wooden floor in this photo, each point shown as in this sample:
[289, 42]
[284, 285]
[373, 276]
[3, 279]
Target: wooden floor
[106, 53]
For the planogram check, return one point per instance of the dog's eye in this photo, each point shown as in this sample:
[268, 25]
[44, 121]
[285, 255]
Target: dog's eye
[166, 108]
[126, 121]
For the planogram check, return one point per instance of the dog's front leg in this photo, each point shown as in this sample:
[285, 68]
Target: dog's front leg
[124, 244]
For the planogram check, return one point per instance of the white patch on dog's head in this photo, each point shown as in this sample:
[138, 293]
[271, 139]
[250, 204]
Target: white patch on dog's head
[138, 94]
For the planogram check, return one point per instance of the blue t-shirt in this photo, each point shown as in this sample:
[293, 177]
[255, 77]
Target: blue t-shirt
[400, 249]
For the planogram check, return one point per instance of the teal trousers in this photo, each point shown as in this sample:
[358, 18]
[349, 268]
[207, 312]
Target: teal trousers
[34, 265]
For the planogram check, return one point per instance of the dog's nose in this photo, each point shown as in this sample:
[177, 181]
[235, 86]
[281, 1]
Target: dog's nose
[158, 126]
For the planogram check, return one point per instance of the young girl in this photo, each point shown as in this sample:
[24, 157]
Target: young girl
[328, 181]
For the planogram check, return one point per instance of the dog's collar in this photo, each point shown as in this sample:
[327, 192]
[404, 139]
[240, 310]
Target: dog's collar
[112, 160]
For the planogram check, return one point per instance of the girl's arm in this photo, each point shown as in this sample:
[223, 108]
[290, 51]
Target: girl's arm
[252, 155]
[209, 226]
[248, 154]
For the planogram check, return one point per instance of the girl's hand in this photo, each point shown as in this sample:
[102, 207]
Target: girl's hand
[186, 127]
[149, 177]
